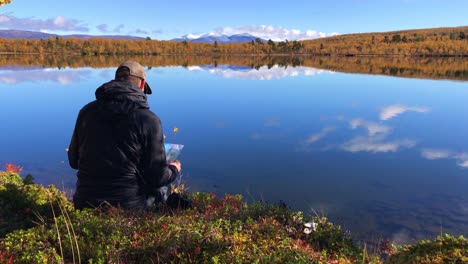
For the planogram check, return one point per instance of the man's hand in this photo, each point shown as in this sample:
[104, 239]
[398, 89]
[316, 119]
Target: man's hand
[177, 164]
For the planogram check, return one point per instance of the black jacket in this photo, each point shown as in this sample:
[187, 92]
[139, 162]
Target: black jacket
[118, 149]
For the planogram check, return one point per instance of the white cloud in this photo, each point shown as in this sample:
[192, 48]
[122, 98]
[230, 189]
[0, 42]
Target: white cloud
[8, 79]
[118, 28]
[463, 163]
[394, 110]
[194, 68]
[317, 136]
[433, 154]
[58, 23]
[274, 33]
[312, 34]
[262, 73]
[194, 36]
[376, 140]
[372, 128]
[103, 28]
[462, 160]
[140, 31]
[62, 77]
[4, 19]
[376, 144]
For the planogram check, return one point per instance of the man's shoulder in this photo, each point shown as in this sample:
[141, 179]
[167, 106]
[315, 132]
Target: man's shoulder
[147, 121]
[147, 115]
[88, 107]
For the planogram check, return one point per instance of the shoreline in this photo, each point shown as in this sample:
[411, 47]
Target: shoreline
[44, 227]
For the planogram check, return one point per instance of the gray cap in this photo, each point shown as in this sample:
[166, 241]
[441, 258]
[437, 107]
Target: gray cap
[138, 71]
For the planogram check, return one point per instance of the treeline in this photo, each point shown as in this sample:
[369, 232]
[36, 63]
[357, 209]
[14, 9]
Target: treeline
[413, 67]
[444, 42]
[441, 42]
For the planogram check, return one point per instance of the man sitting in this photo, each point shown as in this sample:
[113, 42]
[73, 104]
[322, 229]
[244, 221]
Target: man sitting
[118, 145]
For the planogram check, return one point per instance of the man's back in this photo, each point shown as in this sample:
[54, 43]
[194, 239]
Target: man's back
[118, 149]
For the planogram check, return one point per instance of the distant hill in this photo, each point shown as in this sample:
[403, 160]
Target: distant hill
[444, 41]
[431, 42]
[24, 34]
[207, 38]
[451, 32]
[222, 39]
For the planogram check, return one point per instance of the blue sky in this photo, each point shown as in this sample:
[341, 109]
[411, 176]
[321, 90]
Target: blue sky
[268, 19]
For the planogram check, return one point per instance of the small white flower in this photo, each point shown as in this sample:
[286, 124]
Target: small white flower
[310, 227]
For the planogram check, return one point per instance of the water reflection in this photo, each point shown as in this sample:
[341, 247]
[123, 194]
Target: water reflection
[376, 140]
[391, 111]
[259, 73]
[376, 144]
[63, 77]
[432, 154]
[318, 136]
[371, 127]
[368, 161]
[14, 75]
[431, 68]
[435, 154]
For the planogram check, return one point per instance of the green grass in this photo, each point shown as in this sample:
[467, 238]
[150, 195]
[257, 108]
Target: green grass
[39, 225]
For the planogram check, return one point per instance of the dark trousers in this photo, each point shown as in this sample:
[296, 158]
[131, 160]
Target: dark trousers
[160, 196]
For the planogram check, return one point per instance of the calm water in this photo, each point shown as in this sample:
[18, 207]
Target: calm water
[383, 156]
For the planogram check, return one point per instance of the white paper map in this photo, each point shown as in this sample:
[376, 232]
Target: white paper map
[172, 151]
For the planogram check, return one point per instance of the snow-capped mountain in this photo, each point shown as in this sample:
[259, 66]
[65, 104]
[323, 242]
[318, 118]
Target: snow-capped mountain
[25, 34]
[211, 38]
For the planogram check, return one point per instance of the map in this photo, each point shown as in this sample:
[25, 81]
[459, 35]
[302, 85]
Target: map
[172, 151]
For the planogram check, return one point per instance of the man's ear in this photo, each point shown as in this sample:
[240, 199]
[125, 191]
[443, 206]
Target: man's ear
[142, 85]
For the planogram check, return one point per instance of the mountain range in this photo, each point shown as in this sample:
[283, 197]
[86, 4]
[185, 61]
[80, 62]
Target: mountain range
[24, 34]
[207, 38]
[211, 38]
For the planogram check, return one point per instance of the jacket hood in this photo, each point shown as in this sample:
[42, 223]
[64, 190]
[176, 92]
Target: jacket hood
[120, 97]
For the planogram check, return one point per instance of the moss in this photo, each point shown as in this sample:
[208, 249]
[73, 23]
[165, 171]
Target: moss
[41, 226]
[23, 205]
[443, 249]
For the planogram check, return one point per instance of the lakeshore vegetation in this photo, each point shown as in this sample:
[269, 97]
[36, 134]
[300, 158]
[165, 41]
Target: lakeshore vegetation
[434, 42]
[411, 67]
[39, 225]
[439, 53]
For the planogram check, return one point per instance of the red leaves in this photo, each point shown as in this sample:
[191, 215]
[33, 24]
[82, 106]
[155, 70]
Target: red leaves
[12, 168]
[3, 254]
[302, 245]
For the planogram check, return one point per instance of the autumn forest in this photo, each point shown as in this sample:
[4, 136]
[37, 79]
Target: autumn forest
[430, 53]
[436, 42]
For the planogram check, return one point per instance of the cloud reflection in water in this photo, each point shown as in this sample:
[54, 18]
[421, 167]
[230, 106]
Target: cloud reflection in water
[434, 154]
[63, 77]
[372, 128]
[376, 140]
[376, 144]
[317, 136]
[391, 111]
[262, 73]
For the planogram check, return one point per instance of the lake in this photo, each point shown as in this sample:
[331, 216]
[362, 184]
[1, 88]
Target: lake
[384, 156]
